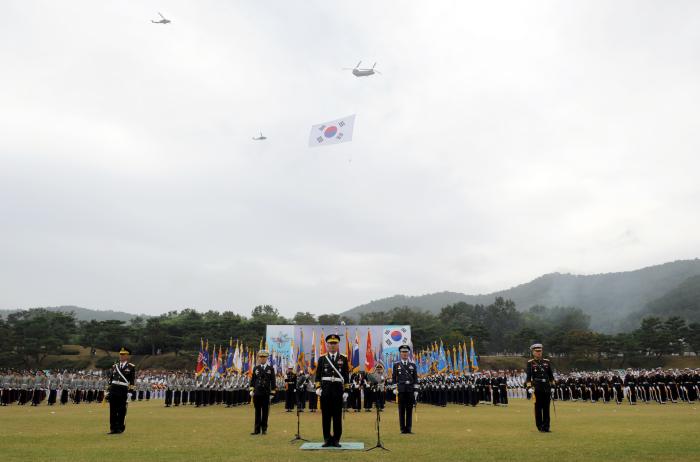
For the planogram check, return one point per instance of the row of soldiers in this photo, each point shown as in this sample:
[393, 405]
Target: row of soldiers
[466, 389]
[35, 387]
[30, 387]
[632, 386]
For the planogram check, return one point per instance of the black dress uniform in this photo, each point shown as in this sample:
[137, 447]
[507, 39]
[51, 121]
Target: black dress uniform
[332, 385]
[539, 374]
[121, 381]
[290, 386]
[405, 376]
[262, 385]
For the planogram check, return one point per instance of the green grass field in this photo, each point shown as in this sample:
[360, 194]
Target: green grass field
[581, 431]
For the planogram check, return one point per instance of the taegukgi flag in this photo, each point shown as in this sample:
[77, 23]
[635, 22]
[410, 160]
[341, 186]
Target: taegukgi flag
[333, 132]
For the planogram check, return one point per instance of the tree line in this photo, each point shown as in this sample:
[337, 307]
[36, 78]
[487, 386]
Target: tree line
[28, 336]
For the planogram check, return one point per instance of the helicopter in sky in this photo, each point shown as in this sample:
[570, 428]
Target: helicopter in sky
[162, 20]
[260, 138]
[357, 72]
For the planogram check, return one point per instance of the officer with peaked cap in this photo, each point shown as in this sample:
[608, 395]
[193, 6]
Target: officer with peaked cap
[332, 385]
[405, 376]
[262, 389]
[539, 380]
[121, 381]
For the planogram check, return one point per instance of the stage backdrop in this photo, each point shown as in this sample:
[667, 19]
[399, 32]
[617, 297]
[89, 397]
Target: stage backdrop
[286, 341]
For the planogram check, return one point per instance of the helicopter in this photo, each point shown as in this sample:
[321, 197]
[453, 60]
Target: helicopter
[357, 72]
[162, 20]
[259, 138]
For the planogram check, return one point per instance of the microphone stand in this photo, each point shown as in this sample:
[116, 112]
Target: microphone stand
[298, 437]
[379, 444]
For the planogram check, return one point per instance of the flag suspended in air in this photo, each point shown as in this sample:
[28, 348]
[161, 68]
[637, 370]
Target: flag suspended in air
[244, 361]
[333, 132]
[229, 356]
[201, 359]
[301, 360]
[442, 359]
[313, 358]
[472, 356]
[221, 363]
[213, 365]
[348, 347]
[369, 354]
[355, 360]
[324, 348]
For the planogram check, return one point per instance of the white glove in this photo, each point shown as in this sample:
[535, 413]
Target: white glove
[318, 392]
[345, 396]
[415, 395]
[531, 390]
[251, 393]
[396, 392]
[271, 398]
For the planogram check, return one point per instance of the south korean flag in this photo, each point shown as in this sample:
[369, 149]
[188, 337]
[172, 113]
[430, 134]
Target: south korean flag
[333, 132]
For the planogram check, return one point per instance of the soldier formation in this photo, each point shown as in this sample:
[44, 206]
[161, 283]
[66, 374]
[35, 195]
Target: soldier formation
[336, 390]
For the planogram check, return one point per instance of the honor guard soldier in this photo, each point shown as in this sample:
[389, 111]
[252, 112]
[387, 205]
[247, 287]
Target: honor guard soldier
[332, 385]
[405, 378]
[262, 389]
[290, 387]
[539, 379]
[121, 381]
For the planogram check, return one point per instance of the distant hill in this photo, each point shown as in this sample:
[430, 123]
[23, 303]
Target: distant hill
[84, 314]
[683, 301]
[608, 298]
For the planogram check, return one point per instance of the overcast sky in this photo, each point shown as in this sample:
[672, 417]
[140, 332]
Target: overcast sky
[504, 140]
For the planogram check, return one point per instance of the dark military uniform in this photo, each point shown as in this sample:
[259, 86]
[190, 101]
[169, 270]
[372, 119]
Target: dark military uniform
[121, 381]
[262, 385]
[290, 386]
[332, 385]
[540, 376]
[405, 376]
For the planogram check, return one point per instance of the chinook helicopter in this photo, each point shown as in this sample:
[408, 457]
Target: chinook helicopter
[162, 20]
[357, 72]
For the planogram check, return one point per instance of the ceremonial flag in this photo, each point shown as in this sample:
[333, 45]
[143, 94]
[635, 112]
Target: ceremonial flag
[201, 361]
[472, 357]
[333, 132]
[442, 360]
[229, 356]
[355, 359]
[238, 357]
[213, 366]
[348, 348]
[369, 354]
[244, 360]
[301, 361]
[455, 367]
[324, 348]
[251, 361]
[220, 362]
[313, 359]
[460, 365]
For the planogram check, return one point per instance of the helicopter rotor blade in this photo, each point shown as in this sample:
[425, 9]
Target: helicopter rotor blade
[159, 13]
[377, 72]
[374, 65]
[358, 64]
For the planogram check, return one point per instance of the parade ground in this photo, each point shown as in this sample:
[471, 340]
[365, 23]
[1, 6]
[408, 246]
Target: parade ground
[580, 431]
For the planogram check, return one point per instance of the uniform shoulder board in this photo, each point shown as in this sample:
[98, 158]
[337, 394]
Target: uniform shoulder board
[131, 364]
[530, 360]
[545, 359]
